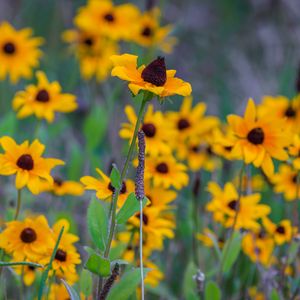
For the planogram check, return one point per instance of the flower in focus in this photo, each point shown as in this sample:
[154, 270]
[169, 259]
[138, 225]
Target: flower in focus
[227, 208]
[19, 52]
[157, 130]
[259, 139]
[285, 181]
[165, 171]
[93, 52]
[43, 100]
[148, 32]
[154, 77]
[294, 151]
[28, 239]
[27, 163]
[104, 18]
[104, 189]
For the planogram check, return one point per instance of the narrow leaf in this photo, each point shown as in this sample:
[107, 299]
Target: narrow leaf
[115, 177]
[86, 283]
[212, 291]
[98, 265]
[72, 293]
[20, 263]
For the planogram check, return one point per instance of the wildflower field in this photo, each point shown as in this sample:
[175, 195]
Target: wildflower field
[149, 150]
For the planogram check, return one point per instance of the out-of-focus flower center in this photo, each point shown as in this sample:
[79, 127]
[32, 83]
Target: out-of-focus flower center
[61, 255]
[109, 17]
[290, 112]
[233, 205]
[183, 124]
[88, 42]
[280, 230]
[42, 96]
[256, 136]
[58, 181]
[123, 188]
[9, 48]
[147, 31]
[25, 162]
[145, 218]
[156, 72]
[162, 168]
[28, 235]
[149, 129]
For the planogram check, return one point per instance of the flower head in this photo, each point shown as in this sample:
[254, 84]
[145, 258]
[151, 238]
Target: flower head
[154, 77]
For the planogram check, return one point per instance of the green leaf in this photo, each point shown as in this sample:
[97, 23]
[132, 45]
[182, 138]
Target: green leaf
[275, 295]
[46, 272]
[294, 248]
[231, 251]
[212, 291]
[127, 285]
[129, 208]
[72, 293]
[97, 222]
[86, 283]
[98, 265]
[20, 263]
[189, 284]
[75, 162]
[115, 177]
[8, 124]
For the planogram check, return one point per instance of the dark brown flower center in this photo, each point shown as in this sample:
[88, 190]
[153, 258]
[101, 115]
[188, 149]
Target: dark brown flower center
[58, 181]
[109, 17]
[145, 218]
[42, 96]
[290, 112]
[61, 255]
[183, 124]
[123, 188]
[147, 32]
[162, 168]
[233, 205]
[9, 48]
[31, 268]
[195, 149]
[228, 148]
[28, 235]
[256, 136]
[262, 234]
[294, 178]
[88, 42]
[156, 72]
[149, 129]
[25, 162]
[280, 230]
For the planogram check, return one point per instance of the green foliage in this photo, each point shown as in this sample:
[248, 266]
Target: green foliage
[97, 222]
[72, 293]
[98, 265]
[19, 263]
[189, 284]
[86, 283]
[115, 177]
[8, 124]
[212, 291]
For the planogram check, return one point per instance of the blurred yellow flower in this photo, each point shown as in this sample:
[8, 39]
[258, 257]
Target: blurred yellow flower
[19, 52]
[294, 151]
[153, 77]
[43, 100]
[27, 163]
[208, 237]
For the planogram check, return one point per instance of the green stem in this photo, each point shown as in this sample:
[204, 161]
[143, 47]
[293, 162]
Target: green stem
[123, 174]
[18, 204]
[295, 208]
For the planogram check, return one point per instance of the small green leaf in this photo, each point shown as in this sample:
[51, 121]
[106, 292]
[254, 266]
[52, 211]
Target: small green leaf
[231, 251]
[72, 293]
[212, 291]
[97, 222]
[127, 285]
[189, 284]
[86, 283]
[129, 208]
[115, 177]
[98, 265]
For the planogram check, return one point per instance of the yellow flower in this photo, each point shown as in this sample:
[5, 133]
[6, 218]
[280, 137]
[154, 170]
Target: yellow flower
[43, 100]
[62, 187]
[104, 189]
[153, 77]
[59, 292]
[259, 139]
[280, 107]
[285, 182]
[27, 163]
[165, 171]
[294, 151]
[208, 237]
[225, 207]
[93, 53]
[254, 294]
[101, 17]
[258, 249]
[150, 34]
[30, 238]
[282, 233]
[256, 184]
[154, 276]
[19, 52]
[157, 130]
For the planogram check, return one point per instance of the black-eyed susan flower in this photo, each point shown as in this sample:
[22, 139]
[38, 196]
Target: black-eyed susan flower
[27, 163]
[154, 77]
[19, 52]
[149, 34]
[280, 107]
[154, 276]
[283, 232]
[259, 139]
[258, 248]
[43, 100]
[294, 151]
[104, 18]
[165, 171]
[29, 239]
[157, 130]
[104, 189]
[230, 209]
[93, 53]
[285, 181]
